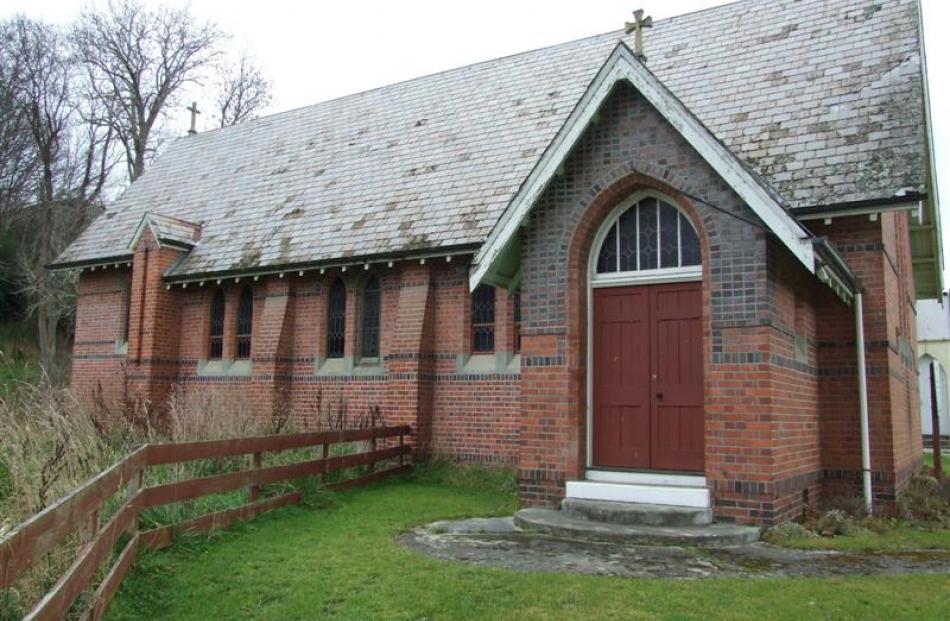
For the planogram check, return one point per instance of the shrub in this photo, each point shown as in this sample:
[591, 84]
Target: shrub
[835, 522]
[786, 532]
[925, 502]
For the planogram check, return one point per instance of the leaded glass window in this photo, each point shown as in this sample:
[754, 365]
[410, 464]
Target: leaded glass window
[216, 329]
[650, 235]
[483, 319]
[245, 319]
[516, 302]
[369, 328]
[336, 320]
[127, 309]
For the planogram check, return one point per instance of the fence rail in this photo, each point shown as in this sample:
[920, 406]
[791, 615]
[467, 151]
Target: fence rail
[80, 510]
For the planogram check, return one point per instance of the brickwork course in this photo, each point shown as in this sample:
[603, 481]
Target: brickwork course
[817, 103]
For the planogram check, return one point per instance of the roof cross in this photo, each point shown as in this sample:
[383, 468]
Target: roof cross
[193, 108]
[637, 27]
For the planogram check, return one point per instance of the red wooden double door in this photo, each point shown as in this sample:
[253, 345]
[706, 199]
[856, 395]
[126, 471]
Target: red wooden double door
[648, 377]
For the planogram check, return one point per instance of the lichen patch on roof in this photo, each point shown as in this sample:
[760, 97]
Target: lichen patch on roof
[823, 100]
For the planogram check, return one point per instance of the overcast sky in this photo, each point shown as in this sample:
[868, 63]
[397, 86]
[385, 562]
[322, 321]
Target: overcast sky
[318, 50]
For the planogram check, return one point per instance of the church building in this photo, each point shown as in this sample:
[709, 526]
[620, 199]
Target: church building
[673, 264]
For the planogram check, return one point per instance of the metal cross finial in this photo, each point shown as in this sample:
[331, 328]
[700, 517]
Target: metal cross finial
[637, 27]
[194, 116]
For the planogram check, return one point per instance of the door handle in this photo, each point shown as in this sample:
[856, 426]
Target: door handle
[659, 395]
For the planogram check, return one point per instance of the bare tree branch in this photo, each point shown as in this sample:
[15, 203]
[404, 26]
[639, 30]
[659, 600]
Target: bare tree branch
[137, 60]
[242, 92]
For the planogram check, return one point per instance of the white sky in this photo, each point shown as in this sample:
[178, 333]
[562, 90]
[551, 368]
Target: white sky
[315, 50]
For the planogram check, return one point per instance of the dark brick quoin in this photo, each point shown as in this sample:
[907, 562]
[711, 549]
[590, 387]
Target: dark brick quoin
[781, 419]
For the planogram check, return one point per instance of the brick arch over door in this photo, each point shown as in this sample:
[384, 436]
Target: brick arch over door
[581, 246]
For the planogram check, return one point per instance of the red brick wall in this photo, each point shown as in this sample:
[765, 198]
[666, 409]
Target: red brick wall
[98, 370]
[424, 331]
[878, 250]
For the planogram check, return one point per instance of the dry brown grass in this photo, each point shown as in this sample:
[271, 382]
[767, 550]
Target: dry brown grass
[50, 443]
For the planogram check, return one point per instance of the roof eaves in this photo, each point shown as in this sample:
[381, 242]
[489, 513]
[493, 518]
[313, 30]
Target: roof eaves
[623, 65]
[175, 275]
[113, 260]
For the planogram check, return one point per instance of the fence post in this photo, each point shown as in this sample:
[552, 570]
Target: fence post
[323, 473]
[372, 448]
[256, 489]
[136, 481]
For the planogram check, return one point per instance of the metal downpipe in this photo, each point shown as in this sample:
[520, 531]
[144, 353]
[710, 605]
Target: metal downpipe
[863, 403]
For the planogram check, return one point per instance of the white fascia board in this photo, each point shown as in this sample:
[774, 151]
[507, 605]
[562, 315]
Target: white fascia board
[622, 65]
[144, 223]
[859, 211]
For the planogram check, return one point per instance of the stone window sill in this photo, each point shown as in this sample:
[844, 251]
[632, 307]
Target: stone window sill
[501, 362]
[225, 368]
[329, 367]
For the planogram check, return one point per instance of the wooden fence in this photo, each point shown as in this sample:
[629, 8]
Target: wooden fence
[79, 511]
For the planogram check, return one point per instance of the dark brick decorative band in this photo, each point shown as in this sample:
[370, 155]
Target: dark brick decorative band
[98, 356]
[795, 365]
[544, 361]
[751, 357]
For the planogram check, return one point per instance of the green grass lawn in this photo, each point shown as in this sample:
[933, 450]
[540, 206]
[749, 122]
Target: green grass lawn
[898, 537]
[19, 360]
[342, 562]
[945, 462]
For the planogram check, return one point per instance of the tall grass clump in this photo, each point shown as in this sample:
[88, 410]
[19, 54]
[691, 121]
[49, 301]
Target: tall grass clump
[49, 444]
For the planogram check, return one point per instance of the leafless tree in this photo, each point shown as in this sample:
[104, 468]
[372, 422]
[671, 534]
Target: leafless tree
[18, 161]
[137, 60]
[242, 91]
[72, 165]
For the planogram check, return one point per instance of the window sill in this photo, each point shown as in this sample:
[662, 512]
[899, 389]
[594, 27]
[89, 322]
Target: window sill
[369, 366]
[364, 367]
[501, 362]
[225, 368]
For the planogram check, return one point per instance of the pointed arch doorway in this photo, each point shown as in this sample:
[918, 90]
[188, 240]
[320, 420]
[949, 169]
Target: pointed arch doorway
[645, 358]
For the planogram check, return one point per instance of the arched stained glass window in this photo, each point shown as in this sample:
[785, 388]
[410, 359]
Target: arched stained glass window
[336, 320]
[245, 320]
[216, 328]
[369, 325]
[650, 235]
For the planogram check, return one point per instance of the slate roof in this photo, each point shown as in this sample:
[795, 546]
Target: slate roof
[823, 99]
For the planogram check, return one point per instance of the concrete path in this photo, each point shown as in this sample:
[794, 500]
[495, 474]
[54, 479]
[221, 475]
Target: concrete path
[497, 542]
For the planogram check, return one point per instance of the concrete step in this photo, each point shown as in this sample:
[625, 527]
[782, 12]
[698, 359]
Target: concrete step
[635, 514]
[674, 495]
[559, 525]
[677, 479]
